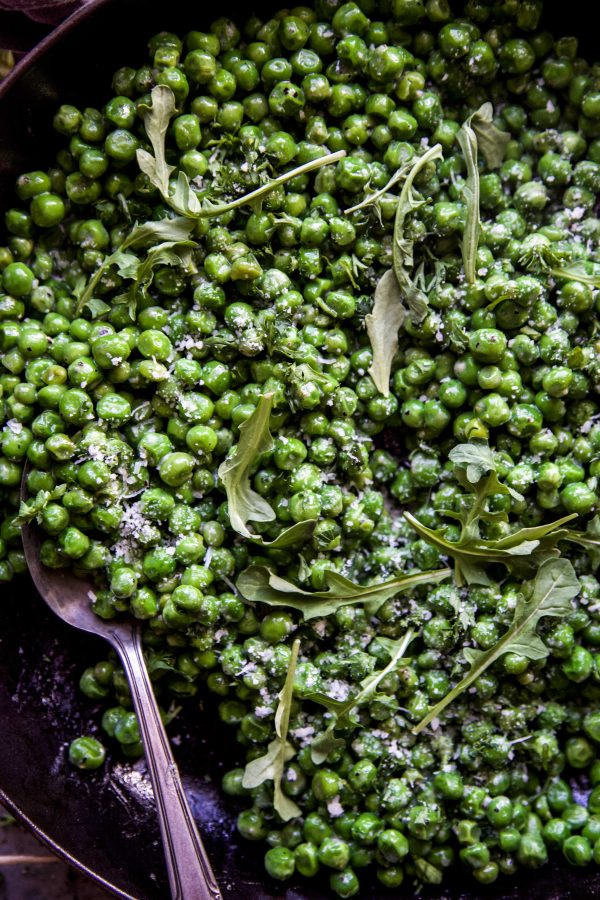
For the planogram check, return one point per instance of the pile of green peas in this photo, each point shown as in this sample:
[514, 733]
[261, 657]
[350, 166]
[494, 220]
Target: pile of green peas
[123, 415]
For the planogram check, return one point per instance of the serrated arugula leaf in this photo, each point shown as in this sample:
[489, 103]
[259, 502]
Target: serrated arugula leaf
[520, 551]
[31, 509]
[174, 231]
[554, 588]
[270, 766]
[260, 585]
[402, 247]
[383, 324]
[184, 199]
[243, 502]
[157, 118]
[324, 743]
[490, 139]
[168, 253]
[476, 459]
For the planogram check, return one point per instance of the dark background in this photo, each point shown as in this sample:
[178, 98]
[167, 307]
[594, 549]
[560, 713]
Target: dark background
[105, 820]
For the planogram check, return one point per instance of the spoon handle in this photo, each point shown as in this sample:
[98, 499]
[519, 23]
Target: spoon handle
[190, 873]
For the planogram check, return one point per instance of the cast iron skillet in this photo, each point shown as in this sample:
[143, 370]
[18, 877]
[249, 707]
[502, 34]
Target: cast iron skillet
[104, 823]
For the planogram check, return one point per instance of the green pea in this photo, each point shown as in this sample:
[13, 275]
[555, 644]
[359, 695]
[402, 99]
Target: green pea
[86, 753]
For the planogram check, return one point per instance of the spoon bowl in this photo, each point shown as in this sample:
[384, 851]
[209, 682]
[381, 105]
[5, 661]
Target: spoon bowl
[69, 597]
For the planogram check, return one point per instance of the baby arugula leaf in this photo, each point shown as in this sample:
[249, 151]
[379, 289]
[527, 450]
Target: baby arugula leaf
[403, 247]
[156, 122]
[490, 140]
[184, 199]
[270, 766]
[32, 509]
[383, 324]
[586, 274]
[141, 271]
[467, 140]
[259, 585]
[554, 587]
[340, 710]
[173, 232]
[521, 552]
[243, 502]
[589, 539]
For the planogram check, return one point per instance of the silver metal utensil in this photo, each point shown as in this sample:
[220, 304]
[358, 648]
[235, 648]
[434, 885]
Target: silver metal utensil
[189, 869]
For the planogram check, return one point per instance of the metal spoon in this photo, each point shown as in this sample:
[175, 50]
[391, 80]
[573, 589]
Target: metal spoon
[190, 873]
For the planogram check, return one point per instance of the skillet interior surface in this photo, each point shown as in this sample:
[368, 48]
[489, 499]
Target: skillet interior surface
[104, 822]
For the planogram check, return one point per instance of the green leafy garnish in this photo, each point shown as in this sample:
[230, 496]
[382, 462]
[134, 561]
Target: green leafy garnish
[157, 118]
[490, 139]
[340, 710]
[554, 587]
[270, 766]
[243, 502]
[589, 539]
[397, 284]
[371, 199]
[383, 324]
[184, 200]
[403, 247]
[28, 511]
[589, 274]
[467, 140]
[260, 585]
[520, 551]
[538, 255]
[163, 235]
[141, 271]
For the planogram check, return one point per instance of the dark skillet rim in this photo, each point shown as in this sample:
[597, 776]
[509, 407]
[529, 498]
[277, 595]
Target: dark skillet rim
[56, 848]
[55, 36]
[47, 43]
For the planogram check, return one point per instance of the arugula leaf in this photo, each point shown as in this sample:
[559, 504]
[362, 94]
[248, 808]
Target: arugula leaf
[373, 198]
[184, 200]
[156, 122]
[402, 247]
[589, 274]
[478, 459]
[31, 509]
[467, 141]
[383, 324]
[520, 552]
[244, 503]
[259, 585]
[255, 439]
[324, 743]
[554, 587]
[589, 539]
[97, 307]
[141, 271]
[490, 140]
[175, 231]
[270, 766]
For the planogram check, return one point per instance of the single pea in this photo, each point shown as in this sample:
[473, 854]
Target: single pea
[86, 753]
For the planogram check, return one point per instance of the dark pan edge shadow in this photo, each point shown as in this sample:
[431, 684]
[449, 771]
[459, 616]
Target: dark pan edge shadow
[54, 36]
[56, 848]
[472, 891]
